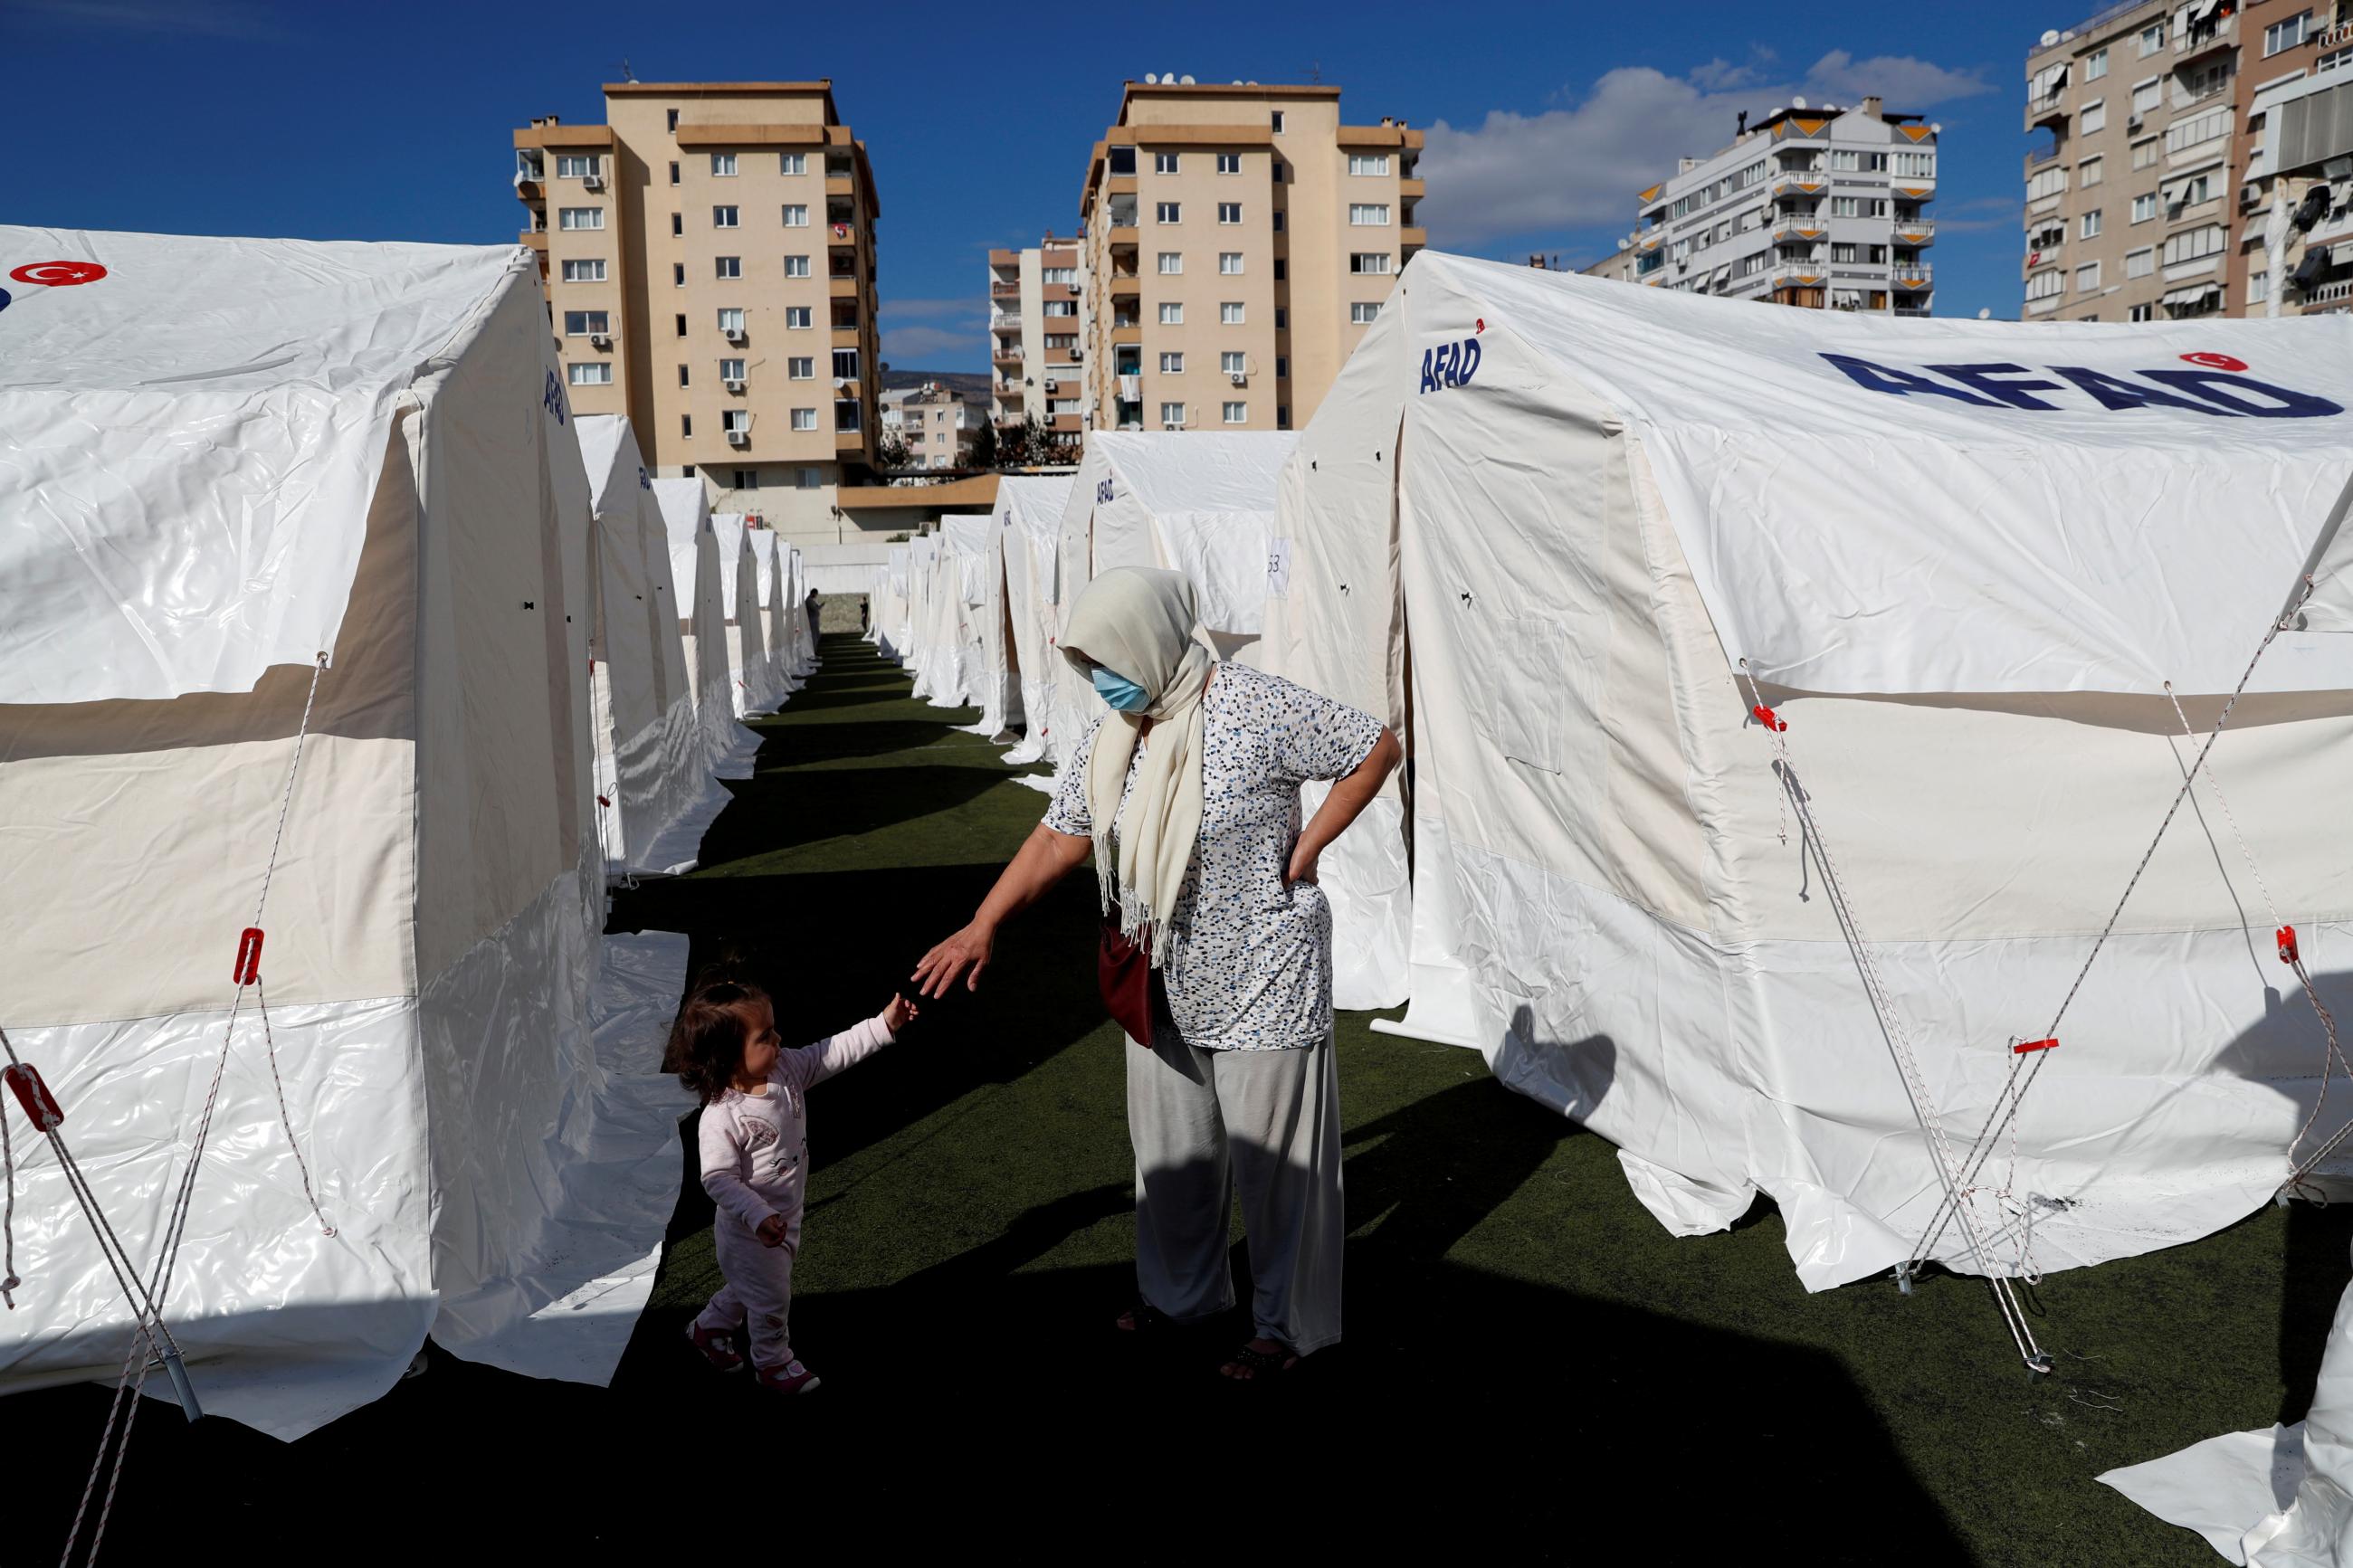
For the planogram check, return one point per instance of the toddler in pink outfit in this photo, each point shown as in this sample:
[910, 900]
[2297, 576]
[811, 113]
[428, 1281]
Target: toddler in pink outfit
[754, 1144]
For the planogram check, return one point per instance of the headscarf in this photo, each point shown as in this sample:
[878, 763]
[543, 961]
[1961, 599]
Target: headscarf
[1143, 623]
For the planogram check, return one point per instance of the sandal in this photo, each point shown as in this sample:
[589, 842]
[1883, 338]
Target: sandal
[1262, 1366]
[1143, 1318]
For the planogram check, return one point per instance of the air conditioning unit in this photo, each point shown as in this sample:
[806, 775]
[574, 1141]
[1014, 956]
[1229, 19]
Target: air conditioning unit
[592, 181]
[734, 334]
[600, 341]
[739, 438]
[1052, 384]
[1238, 379]
[734, 384]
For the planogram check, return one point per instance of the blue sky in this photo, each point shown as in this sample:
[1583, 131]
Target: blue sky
[342, 120]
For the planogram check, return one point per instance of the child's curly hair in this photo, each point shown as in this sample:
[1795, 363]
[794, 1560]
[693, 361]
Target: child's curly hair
[706, 1044]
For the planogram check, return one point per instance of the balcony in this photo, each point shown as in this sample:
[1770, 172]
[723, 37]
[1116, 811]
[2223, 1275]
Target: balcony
[2050, 110]
[2328, 295]
[1412, 188]
[839, 184]
[1799, 231]
[1129, 334]
[1120, 235]
[1808, 276]
[850, 441]
[1412, 238]
[537, 239]
[1130, 388]
[1007, 355]
[1007, 325]
[1919, 231]
[841, 234]
[1915, 279]
[846, 337]
[1005, 290]
[2202, 38]
[2036, 159]
[842, 288]
[1126, 285]
[1800, 185]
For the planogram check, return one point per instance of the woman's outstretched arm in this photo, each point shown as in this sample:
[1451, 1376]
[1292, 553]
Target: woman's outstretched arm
[1350, 794]
[1045, 858]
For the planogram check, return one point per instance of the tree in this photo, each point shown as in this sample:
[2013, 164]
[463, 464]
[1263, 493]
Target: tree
[892, 450]
[984, 446]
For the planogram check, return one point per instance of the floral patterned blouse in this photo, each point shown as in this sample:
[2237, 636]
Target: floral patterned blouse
[1250, 959]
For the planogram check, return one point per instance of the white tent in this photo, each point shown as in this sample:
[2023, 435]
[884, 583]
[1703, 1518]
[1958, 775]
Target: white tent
[1019, 644]
[695, 570]
[649, 765]
[757, 688]
[1969, 565]
[1198, 501]
[889, 611]
[952, 649]
[923, 560]
[779, 613]
[801, 627]
[297, 539]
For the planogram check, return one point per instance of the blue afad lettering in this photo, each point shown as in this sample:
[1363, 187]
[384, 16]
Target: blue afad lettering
[554, 401]
[3, 298]
[2001, 386]
[1450, 364]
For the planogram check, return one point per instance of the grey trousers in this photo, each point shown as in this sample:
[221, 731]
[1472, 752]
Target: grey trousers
[1203, 1122]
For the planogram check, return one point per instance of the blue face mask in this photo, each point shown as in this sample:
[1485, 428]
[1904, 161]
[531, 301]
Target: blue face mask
[1120, 692]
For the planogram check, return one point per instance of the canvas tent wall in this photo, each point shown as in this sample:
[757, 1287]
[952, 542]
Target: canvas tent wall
[648, 763]
[1198, 501]
[262, 490]
[1971, 593]
[779, 613]
[755, 689]
[1019, 644]
[922, 563]
[887, 617]
[694, 568]
[952, 649]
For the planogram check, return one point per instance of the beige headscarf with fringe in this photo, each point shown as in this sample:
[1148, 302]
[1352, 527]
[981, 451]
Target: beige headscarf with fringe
[1144, 624]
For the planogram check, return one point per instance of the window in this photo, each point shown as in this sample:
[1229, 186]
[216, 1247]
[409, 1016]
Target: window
[801, 367]
[792, 163]
[2192, 245]
[1281, 320]
[1172, 313]
[1231, 362]
[727, 266]
[731, 319]
[731, 370]
[2287, 34]
[747, 478]
[586, 323]
[677, 224]
[584, 271]
[1841, 159]
[1844, 252]
[1368, 214]
[2144, 153]
[797, 318]
[684, 380]
[2140, 263]
[673, 172]
[686, 425]
[673, 119]
[576, 166]
[681, 326]
[1368, 162]
[722, 164]
[2089, 227]
[1281, 370]
[1164, 162]
[724, 217]
[1846, 206]
[845, 365]
[1369, 263]
[1915, 166]
[736, 420]
[804, 418]
[1229, 211]
[2095, 65]
[1361, 313]
[579, 217]
[797, 214]
[1278, 122]
[2209, 126]
[2088, 277]
[1278, 221]
[1058, 275]
[2147, 94]
[2144, 206]
[809, 479]
[2190, 192]
[1172, 416]
[1168, 212]
[1059, 307]
[1171, 263]
[2087, 173]
[678, 274]
[1172, 364]
[2141, 314]
[1229, 314]
[2095, 116]
[1229, 263]
[2046, 285]
[1237, 413]
[1230, 162]
[2259, 286]
[597, 373]
[2152, 38]
[796, 265]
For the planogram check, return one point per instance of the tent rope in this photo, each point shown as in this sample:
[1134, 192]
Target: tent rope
[1892, 1027]
[2004, 1115]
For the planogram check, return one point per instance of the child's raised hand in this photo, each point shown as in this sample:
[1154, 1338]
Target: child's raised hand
[772, 1231]
[899, 1013]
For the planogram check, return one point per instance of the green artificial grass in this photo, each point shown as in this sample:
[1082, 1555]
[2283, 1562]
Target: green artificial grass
[1534, 1368]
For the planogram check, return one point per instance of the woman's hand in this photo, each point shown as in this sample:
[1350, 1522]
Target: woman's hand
[899, 1015]
[1302, 865]
[772, 1231]
[968, 949]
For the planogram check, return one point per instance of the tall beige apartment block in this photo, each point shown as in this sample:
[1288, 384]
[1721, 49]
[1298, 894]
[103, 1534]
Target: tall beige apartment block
[2132, 194]
[1239, 240]
[708, 259]
[1033, 335]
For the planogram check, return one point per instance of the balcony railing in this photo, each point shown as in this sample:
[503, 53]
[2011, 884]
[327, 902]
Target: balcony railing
[2213, 33]
[1800, 182]
[1919, 275]
[1005, 290]
[1919, 231]
[2329, 293]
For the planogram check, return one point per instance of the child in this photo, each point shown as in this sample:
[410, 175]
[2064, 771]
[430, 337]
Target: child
[754, 1159]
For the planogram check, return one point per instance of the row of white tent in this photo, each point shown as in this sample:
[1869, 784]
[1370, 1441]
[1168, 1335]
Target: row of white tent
[1797, 708]
[326, 617]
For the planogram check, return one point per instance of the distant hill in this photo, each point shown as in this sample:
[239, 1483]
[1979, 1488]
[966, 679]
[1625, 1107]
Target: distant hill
[972, 384]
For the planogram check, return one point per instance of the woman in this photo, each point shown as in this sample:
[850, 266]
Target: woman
[1188, 794]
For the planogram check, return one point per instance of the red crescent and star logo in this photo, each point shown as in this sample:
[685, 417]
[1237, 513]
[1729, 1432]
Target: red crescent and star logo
[2215, 361]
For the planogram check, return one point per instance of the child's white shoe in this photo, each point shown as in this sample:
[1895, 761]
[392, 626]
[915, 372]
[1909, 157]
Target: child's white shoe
[790, 1378]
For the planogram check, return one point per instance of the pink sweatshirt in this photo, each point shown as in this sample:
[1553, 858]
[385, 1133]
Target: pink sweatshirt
[755, 1146]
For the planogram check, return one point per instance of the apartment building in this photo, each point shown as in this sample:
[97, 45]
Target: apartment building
[708, 254]
[1238, 241]
[934, 423]
[1618, 265]
[1817, 205]
[2133, 187]
[2294, 255]
[1033, 335]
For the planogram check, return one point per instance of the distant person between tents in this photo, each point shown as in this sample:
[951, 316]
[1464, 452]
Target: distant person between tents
[1217, 955]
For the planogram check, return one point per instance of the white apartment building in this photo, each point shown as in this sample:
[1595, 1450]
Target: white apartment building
[1816, 205]
[933, 422]
[1033, 335]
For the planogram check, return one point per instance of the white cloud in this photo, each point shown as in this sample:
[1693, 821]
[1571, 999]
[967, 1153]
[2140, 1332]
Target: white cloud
[191, 16]
[906, 348]
[957, 307]
[1579, 165]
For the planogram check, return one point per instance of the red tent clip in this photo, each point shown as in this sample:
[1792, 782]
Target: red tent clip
[247, 969]
[602, 800]
[41, 1105]
[2025, 1046]
[1766, 717]
[2287, 944]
